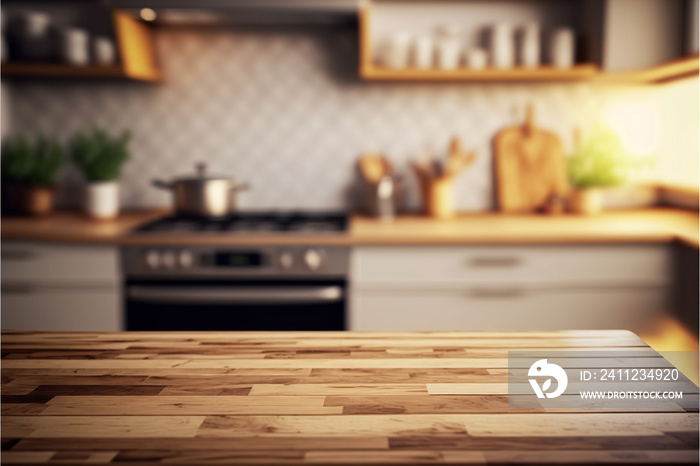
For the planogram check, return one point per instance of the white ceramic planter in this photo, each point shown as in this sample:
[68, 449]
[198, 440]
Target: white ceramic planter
[102, 200]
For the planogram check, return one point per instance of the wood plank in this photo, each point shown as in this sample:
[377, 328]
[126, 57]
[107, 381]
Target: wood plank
[210, 443]
[187, 405]
[581, 424]
[395, 457]
[89, 363]
[329, 426]
[593, 457]
[483, 425]
[96, 426]
[22, 409]
[401, 363]
[408, 404]
[338, 389]
[26, 457]
[527, 443]
[87, 390]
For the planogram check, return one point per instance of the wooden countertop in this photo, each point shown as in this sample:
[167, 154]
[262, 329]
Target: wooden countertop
[645, 225]
[304, 397]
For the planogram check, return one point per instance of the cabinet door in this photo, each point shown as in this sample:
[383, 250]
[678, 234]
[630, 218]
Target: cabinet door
[631, 308]
[60, 287]
[67, 263]
[63, 308]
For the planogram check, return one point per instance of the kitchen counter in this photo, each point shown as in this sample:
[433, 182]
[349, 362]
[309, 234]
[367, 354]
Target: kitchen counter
[298, 398]
[645, 225]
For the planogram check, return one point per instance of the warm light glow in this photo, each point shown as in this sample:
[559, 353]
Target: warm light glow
[669, 335]
[679, 145]
[637, 126]
[148, 14]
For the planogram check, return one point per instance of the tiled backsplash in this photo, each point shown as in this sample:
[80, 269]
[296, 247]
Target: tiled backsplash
[285, 111]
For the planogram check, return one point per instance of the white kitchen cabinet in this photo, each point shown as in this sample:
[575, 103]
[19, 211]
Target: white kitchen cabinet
[508, 287]
[60, 287]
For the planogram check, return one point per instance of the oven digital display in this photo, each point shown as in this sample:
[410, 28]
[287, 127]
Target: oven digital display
[238, 259]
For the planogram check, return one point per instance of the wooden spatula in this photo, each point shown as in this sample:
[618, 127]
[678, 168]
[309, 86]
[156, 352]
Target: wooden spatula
[374, 167]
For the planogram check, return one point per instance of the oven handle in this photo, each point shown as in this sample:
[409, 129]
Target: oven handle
[218, 295]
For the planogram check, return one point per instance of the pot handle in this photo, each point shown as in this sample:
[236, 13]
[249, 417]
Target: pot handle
[240, 187]
[162, 184]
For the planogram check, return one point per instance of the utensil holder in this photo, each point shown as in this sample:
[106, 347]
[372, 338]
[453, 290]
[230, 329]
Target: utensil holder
[437, 197]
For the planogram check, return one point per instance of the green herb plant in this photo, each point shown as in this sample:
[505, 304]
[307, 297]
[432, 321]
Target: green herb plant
[31, 163]
[602, 161]
[98, 155]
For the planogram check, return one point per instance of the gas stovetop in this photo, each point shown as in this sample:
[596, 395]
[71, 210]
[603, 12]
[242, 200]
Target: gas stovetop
[247, 222]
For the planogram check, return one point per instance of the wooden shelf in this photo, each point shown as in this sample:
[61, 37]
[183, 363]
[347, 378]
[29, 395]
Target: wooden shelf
[544, 73]
[135, 48]
[671, 71]
[370, 71]
[61, 70]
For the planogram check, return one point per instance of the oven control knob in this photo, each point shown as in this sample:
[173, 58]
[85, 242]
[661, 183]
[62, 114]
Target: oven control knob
[286, 259]
[313, 259]
[168, 260]
[185, 259]
[152, 259]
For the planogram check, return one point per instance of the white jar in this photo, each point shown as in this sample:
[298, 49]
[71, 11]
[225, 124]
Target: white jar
[502, 46]
[476, 58]
[396, 51]
[423, 52]
[102, 200]
[562, 48]
[37, 24]
[75, 48]
[448, 54]
[104, 51]
[449, 47]
[530, 46]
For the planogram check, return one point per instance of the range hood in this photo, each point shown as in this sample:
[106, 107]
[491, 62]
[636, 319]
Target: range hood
[242, 11]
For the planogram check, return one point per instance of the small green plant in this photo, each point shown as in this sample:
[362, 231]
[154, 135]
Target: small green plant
[33, 164]
[602, 161]
[98, 155]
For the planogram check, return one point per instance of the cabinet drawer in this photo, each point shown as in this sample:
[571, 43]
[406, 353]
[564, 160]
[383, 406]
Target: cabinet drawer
[606, 308]
[61, 309]
[59, 263]
[411, 266]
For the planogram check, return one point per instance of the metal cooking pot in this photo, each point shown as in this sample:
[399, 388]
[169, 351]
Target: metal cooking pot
[202, 195]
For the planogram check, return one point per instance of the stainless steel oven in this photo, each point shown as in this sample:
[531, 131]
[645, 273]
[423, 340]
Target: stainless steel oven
[235, 288]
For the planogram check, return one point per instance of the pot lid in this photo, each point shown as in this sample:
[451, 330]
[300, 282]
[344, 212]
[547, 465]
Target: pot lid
[202, 175]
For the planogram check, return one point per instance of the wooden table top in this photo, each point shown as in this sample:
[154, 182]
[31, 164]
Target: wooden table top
[657, 225]
[304, 397]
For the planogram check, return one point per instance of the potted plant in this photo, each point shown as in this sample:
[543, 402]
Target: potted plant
[600, 162]
[100, 157]
[29, 173]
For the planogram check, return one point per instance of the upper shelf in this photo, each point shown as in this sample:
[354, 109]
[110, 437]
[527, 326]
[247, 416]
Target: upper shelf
[543, 73]
[671, 71]
[137, 57]
[370, 71]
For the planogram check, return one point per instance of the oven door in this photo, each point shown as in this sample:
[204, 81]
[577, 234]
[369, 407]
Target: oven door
[235, 305]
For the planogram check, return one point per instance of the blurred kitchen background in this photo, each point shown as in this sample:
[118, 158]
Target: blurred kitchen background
[388, 113]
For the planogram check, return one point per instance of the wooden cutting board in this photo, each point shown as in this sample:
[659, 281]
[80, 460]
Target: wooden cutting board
[530, 171]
